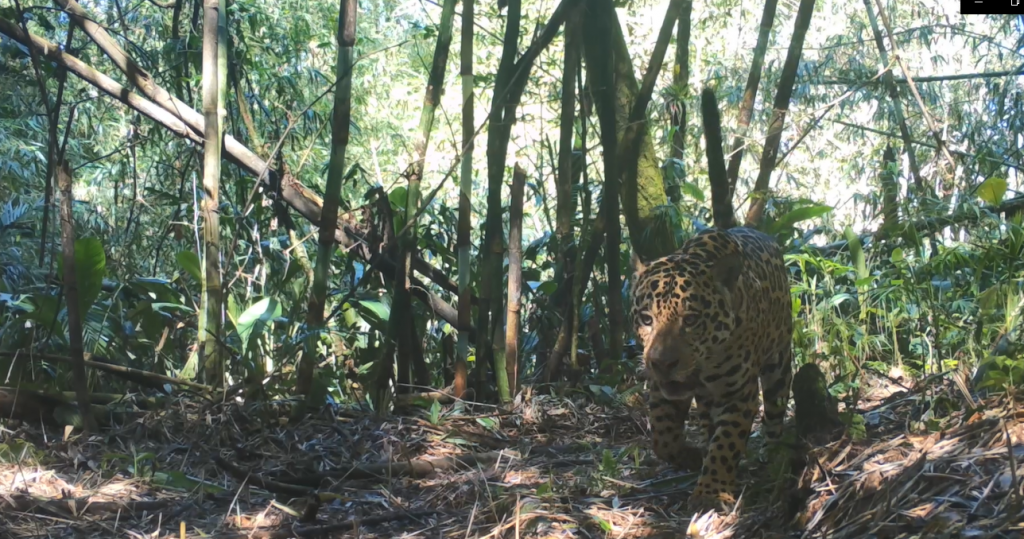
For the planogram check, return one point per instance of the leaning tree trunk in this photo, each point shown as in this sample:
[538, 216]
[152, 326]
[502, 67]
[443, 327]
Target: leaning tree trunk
[210, 327]
[643, 188]
[565, 200]
[897, 106]
[721, 195]
[465, 191]
[185, 122]
[332, 193]
[750, 94]
[401, 314]
[622, 167]
[601, 70]
[759, 197]
[677, 105]
[80, 382]
[498, 134]
[509, 85]
[933, 127]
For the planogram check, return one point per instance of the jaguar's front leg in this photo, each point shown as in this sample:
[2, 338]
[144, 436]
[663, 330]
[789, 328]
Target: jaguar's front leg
[731, 421]
[668, 430]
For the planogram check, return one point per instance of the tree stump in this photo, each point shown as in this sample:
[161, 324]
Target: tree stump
[817, 412]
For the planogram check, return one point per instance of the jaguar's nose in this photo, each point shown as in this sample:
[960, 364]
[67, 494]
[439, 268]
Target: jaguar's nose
[663, 364]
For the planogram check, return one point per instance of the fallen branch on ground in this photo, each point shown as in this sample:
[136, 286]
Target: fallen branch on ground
[412, 468]
[54, 408]
[77, 506]
[330, 530]
[145, 378]
[244, 476]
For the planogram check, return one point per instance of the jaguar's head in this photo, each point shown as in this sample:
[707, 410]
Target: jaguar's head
[683, 309]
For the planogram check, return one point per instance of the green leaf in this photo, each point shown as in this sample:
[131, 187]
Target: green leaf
[17, 451]
[162, 307]
[435, 413]
[547, 288]
[488, 423]
[351, 316]
[17, 301]
[69, 414]
[865, 282]
[377, 308]
[800, 214]
[45, 309]
[189, 261]
[256, 318]
[608, 463]
[992, 190]
[232, 310]
[603, 524]
[692, 191]
[90, 268]
[897, 255]
[856, 252]
[989, 299]
[398, 198]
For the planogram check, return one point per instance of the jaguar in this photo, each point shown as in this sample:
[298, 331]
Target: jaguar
[713, 319]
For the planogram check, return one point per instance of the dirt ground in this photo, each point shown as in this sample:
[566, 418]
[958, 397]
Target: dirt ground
[926, 463]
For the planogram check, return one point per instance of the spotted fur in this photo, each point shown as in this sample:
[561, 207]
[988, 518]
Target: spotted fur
[713, 318]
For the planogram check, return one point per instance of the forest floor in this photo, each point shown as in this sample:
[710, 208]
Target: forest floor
[926, 464]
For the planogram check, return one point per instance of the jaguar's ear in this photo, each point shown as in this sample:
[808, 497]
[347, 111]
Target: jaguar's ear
[635, 262]
[727, 270]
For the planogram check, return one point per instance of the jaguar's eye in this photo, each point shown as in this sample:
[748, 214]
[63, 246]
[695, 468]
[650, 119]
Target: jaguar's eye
[691, 320]
[645, 319]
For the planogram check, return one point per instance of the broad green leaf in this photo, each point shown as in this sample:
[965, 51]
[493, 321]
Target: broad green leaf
[865, 282]
[897, 255]
[17, 451]
[90, 268]
[856, 252]
[435, 413]
[609, 465]
[69, 414]
[547, 288]
[488, 423]
[992, 190]
[797, 215]
[839, 298]
[255, 319]
[189, 261]
[166, 307]
[17, 301]
[990, 298]
[398, 198]
[350, 315]
[45, 309]
[1011, 311]
[377, 308]
[692, 191]
[191, 368]
[156, 289]
[233, 309]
